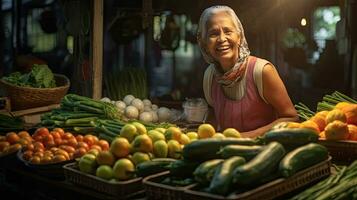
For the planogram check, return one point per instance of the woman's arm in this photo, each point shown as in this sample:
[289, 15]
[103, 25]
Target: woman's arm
[275, 93]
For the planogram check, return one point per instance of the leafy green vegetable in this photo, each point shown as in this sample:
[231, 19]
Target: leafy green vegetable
[40, 76]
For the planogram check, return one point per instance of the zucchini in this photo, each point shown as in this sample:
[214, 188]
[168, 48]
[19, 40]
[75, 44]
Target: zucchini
[247, 152]
[206, 149]
[183, 168]
[222, 179]
[291, 138]
[203, 174]
[153, 166]
[261, 166]
[301, 158]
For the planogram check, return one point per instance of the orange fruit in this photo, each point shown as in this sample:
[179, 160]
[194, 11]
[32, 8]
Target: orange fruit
[310, 125]
[120, 147]
[12, 137]
[79, 138]
[79, 152]
[72, 142]
[83, 144]
[27, 155]
[3, 145]
[42, 131]
[205, 131]
[23, 134]
[103, 144]
[59, 130]
[67, 136]
[38, 145]
[35, 160]
[89, 139]
[59, 158]
[94, 146]
[105, 158]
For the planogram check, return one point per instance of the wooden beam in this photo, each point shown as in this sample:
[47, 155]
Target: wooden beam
[97, 44]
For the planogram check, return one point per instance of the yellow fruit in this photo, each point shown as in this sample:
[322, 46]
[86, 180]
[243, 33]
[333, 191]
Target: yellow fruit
[173, 133]
[156, 135]
[310, 125]
[129, 132]
[139, 157]
[231, 132]
[120, 147]
[336, 130]
[219, 136]
[105, 172]
[140, 128]
[105, 158]
[184, 139]
[123, 169]
[174, 149]
[205, 131]
[142, 143]
[161, 130]
[335, 114]
[192, 135]
[161, 149]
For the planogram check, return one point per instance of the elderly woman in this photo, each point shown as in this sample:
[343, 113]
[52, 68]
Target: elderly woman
[245, 92]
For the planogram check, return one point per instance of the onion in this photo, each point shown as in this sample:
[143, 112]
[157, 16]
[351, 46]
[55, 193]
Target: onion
[120, 105]
[147, 102]
[164, 114]
[128, 98]
[155, 118]
[146, 117]
[106, 99]
[154, 107]
[131, 112]
[147, 108]
[138, 104]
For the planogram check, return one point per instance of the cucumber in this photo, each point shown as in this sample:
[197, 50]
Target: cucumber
[203, 174]
[222, 179]
[247, 152]
[301, 158]
[183, 168]
[261, 166]
[206, 149]
[291, 138]
[153, 166]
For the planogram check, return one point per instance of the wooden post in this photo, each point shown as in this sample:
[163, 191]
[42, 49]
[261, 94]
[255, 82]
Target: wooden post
[97, 44]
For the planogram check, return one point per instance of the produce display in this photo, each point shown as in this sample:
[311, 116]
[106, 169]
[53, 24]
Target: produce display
[142, 109]
[12, 142]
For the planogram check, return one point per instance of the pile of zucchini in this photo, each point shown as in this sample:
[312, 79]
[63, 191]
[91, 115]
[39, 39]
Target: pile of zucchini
[227, 164]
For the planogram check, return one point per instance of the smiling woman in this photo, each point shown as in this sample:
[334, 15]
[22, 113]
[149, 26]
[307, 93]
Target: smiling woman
[245, 92]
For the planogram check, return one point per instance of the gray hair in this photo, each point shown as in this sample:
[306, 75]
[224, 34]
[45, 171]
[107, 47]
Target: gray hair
[202, 31]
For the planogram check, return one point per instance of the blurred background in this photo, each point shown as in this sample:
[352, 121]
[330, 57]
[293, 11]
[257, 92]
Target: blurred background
[312, 43]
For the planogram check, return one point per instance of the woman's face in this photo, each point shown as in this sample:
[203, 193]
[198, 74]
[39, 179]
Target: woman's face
[223, 40]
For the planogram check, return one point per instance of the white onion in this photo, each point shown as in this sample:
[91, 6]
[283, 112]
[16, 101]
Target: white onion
[154, 107]
[147, 108]
[164, 114]
[106, 99]
[131, 112]
[138, 104]
[128, 98]
[155, 118]
[120, 105]
[146, 117]
[147, 102]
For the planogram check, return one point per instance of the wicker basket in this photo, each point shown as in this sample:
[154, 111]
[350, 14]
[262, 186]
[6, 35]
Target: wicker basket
[156, 190]
[119, 189]
[28, 97]
[270, 190]
[343, 152]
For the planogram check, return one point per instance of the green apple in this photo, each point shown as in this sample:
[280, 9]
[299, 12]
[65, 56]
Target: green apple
[105, 172]
[88, 163]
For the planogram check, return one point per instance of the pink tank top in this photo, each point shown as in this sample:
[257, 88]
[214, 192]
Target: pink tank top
[246, 114]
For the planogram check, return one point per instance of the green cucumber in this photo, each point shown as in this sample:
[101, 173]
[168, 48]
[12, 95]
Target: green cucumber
[206, 149]
[261, 166]
[247, 152]
[291, 138]
[222, 180]
[301, 158]
[153, 166]
[203, 174]
[183, 168]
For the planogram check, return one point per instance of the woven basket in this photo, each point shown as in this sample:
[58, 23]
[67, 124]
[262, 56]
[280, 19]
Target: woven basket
[27, 97]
